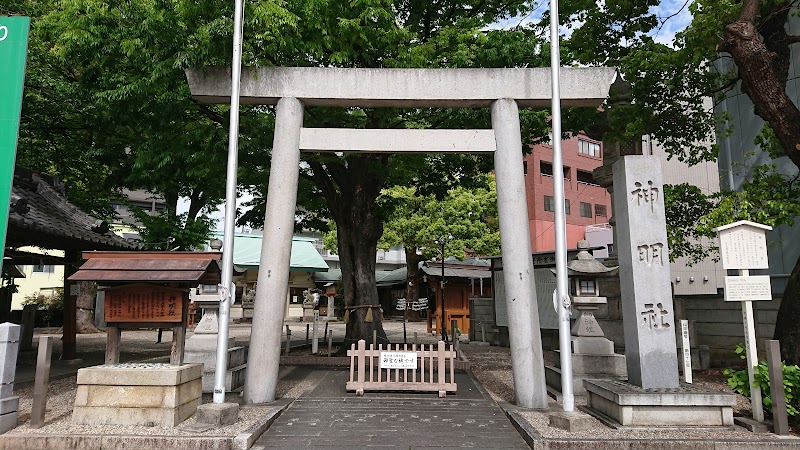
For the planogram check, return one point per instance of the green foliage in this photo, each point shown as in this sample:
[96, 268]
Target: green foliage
[168, 231]
[738, 381]
[50, 309]
[467, 217]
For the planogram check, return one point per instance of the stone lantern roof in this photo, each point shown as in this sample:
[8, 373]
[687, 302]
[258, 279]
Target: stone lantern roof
[584, 264]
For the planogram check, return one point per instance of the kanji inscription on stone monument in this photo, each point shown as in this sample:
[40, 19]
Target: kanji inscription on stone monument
[647, 311]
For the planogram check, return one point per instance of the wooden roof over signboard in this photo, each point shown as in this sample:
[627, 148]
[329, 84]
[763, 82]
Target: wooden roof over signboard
[151, 267]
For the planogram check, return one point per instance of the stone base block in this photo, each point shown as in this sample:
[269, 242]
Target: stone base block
[234, 379]
[592, 345]
[8, 405]
[552, 377]
[8, 421]
[571, 421]
[686, 406]
[217, 414]
[137, 394]
[611, 364]
[237, 356]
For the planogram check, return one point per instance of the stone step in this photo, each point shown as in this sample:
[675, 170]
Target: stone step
[234, 379]
[237, 356]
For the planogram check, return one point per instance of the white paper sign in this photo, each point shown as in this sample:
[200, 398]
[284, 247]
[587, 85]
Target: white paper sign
[741, 289]
[743, 248]
[398, 360]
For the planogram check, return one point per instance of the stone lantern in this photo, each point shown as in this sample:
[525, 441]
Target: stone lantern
[593, 354]
[584, 272]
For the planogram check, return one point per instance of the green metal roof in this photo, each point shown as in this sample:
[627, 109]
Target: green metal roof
[247, 253]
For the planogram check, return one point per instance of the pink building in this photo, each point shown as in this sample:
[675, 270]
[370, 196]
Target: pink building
[586, 202]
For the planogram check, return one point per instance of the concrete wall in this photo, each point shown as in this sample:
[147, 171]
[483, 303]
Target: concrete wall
[718, 324]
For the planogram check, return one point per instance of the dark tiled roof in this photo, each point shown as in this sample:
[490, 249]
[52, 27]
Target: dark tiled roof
[40, 215]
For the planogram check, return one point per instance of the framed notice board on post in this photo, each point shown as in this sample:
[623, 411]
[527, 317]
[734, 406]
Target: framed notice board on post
[145, 303]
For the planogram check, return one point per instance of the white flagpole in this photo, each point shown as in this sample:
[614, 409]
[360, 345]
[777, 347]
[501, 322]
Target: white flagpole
[227, 288]
[562, 291]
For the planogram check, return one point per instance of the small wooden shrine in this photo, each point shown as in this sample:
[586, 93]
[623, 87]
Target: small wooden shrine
[143, 290]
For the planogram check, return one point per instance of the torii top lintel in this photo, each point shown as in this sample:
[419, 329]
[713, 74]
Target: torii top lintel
[412, 88]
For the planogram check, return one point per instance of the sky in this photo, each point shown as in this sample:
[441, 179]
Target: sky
[674, 14]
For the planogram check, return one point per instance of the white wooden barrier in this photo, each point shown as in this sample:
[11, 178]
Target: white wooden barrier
[430, 374]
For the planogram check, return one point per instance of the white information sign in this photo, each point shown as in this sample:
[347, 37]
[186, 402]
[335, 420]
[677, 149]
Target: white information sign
[398, 360]
[687, 352]
[740, 289]
[743, 247]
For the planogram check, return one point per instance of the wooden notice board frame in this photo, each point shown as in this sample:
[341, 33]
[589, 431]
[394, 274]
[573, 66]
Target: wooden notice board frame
[144, 305]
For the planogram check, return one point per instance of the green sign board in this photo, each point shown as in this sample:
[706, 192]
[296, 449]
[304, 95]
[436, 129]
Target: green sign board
[13, 50]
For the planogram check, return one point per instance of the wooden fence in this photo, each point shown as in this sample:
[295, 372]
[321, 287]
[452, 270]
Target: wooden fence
[433, 365]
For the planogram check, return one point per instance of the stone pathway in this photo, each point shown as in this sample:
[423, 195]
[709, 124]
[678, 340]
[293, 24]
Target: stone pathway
[330, 417]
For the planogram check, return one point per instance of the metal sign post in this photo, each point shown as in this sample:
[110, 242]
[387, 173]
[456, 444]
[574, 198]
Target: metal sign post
[13, 52]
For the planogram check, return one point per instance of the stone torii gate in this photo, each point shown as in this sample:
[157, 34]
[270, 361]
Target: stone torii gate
[502, 90]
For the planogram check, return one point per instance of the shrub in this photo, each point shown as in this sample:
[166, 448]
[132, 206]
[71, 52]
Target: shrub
[738, 381]
[50, 310]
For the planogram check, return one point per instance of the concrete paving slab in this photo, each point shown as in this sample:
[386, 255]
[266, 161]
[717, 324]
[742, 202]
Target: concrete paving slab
[329, 417]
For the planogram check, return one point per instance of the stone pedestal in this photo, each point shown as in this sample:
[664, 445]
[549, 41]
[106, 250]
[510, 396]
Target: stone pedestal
[9, 403]
[201, 348]
[623, 404]
[137, 394]
[585, 366]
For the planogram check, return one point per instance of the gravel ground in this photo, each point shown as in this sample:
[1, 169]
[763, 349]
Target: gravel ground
[492, 367]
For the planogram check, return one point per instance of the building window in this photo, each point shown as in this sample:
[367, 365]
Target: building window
[588, 148]
[44, 268]
[545, 168]
[585, 177]
[600, 210]
[586, 209]
[548, 203]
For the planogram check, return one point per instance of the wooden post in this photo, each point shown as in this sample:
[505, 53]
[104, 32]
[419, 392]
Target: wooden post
[330, 342]
[360, 362]
[405, 339]
[42, 381]
[415, 338]
[780, 421]
[307, 338]
[440, 368]
[179, 335]
[113, 334]
[71, 262]
[288, 339]
[314, 335]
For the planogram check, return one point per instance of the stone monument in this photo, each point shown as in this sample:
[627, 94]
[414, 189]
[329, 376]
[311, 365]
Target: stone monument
[653, 395]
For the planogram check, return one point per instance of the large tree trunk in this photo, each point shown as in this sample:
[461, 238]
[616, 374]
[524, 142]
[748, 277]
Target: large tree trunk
[413, 278]
[786, 329]
[350, 192]
[84, 314]
[763, 65]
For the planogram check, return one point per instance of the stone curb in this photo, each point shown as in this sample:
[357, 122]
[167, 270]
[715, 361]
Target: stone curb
[537, 442]
[62, 442]
[248, 437]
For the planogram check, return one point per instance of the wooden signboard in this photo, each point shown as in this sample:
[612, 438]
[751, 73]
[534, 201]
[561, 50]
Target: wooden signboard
[144, 303]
